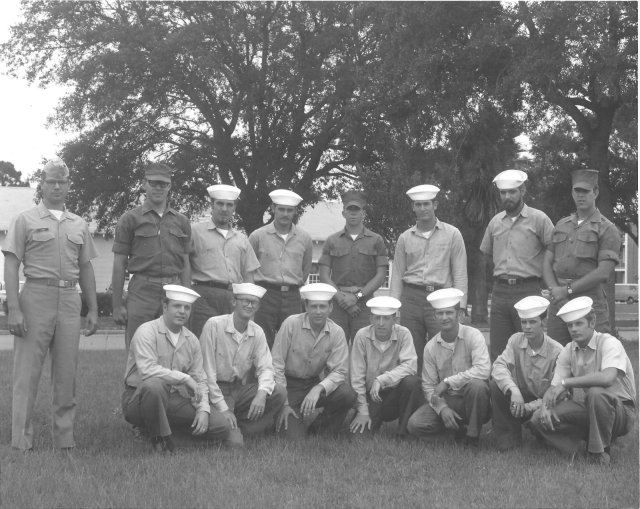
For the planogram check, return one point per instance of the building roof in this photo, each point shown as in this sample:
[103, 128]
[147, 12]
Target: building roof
[322, 219]
[14, 200]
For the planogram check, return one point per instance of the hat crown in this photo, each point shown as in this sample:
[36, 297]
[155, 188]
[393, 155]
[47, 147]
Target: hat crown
[248, 289]
[285, 197]
[223, 192]
[423, 192]
[510, 179]
[317, 291]
[445, 298]
[384, 305]
[575, 309]
[531, 306]
[180, 293]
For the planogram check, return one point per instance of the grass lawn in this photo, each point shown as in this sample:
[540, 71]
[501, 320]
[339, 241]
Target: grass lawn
[110, 469]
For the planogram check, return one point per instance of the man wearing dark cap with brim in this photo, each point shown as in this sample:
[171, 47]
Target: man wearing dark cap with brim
[55, 248]
[354, 261]
[583, 253]
[152, 242]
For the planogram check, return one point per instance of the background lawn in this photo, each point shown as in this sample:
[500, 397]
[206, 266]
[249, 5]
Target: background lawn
[111, 469]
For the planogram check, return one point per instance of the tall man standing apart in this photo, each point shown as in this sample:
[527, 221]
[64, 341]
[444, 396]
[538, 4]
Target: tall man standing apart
[584, 251]
[152, 242]
[56, 249]
[285, 255]
[354, 260]
[220, 256]
[517, 239]
[429, 256]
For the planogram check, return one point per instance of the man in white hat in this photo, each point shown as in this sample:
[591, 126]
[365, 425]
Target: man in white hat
[383, 369]
[152, 243]
[455, 376]
[284, 252]
[598, 364]
[165, 383]
[239, 369]
[221, 256]
[55, 250]
[355, 261]
[515, 241]
[429, 256]
[307, 345]
[582, 256]
[522, 372]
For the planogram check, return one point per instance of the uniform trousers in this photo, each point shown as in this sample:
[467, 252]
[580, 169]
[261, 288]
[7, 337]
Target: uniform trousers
[275, 307]
[472, 405]
[598, 420]
[557, 329]
[417, 315]
[212, 302]
[156, 408]
[504, 320]
[351, 324]
[506, 428]
[330, 420]
[238, 398]
[53, 325]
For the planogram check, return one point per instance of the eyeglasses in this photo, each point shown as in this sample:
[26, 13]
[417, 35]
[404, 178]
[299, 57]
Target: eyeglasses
[248, 302]
[353, 208]
[53, 182]
[158, 183]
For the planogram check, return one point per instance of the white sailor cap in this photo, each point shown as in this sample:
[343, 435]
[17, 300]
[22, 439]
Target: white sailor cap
[383, 305]
[423, 193]
[285, 197]
[445, 298]
[223, 192]
[575, 309]
[248, 289]
[317, 291]
[510, 179]
[531, 306]
[180, 293]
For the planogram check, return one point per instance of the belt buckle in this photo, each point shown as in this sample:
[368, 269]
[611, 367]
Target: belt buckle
[284, 288]
[512, 281]
[430, 288]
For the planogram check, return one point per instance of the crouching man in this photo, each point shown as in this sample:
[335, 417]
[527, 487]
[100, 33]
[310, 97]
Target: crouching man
[383, 369]
[236, 354]
[597, 363]
[307, 345]
[522, 372]
[455, 375]
[165, 384]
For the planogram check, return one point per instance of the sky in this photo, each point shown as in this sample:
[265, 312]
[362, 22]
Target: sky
[24, 108]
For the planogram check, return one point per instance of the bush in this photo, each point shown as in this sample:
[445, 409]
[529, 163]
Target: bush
[105, 304]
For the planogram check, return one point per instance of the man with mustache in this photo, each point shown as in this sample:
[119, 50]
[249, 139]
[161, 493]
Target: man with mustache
[515, 241]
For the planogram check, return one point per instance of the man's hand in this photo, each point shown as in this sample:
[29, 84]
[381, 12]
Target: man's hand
[374, 392]
[450, 418]
[441, 388]
[359, 424]
[231, 418]
[17, 323]
[339, 298]
[256, 410]
[558, 294]
[192, 390]
[200, 423]
[353, 311]
[517, 405]
[282, 419]
[309, 402]
[120, 315]
[553, 395]
[91, 323]
[547, 418]
[350, 300]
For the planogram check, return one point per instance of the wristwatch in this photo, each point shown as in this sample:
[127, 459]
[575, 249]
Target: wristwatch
[359, 295]
[569, 289]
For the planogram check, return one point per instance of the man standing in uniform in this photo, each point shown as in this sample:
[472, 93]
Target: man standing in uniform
[598, 364]
[220, 256]
[522, 373]
[517, 239]
[308, 345]
[56, 249]
[152, 242]
[285, 255]
[429, 256]
[165, 383]
[584, 251]
[354, 260]
[239, 368]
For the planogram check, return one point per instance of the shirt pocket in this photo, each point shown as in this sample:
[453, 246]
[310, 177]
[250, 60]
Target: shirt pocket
[42, 236]
[339, 251]
[587, 245]
[146, 240]
[178, 240]
[75, 241]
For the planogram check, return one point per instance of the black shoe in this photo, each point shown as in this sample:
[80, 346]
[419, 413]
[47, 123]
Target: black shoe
[157, 444]
[472, 443]
[460, 434]
[169, 445]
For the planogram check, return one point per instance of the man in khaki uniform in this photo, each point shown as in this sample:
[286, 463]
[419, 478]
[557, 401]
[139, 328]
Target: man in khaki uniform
[55, 248]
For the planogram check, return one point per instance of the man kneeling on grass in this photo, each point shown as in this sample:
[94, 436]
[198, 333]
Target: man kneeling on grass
[383, 369]
[306, 346]
[455, 375]
[236, 353]
[165, 383]
[522, 372]
[597, 363]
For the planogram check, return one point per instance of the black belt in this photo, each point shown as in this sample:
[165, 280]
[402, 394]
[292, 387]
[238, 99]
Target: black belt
[514, 280]
[427, 288]
[163, 280]
[59, 283]
[214, 284]
[278, 288]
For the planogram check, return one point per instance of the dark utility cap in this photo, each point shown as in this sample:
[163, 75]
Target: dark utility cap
[354, 198]
[584, 179]
[158, 171]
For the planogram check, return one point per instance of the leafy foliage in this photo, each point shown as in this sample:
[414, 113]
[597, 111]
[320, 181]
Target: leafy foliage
[9, 176]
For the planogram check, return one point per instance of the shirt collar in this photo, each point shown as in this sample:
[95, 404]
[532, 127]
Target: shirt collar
[231, 328]
[591, 344]
[371, 334]
[272, 229]
[364, 233]
[43, 211]
[596, 217]
[524, 212]
[163, 329]
[307, 325]
[146, 207]
[212, 226]
[415, 230]
[524, 344]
